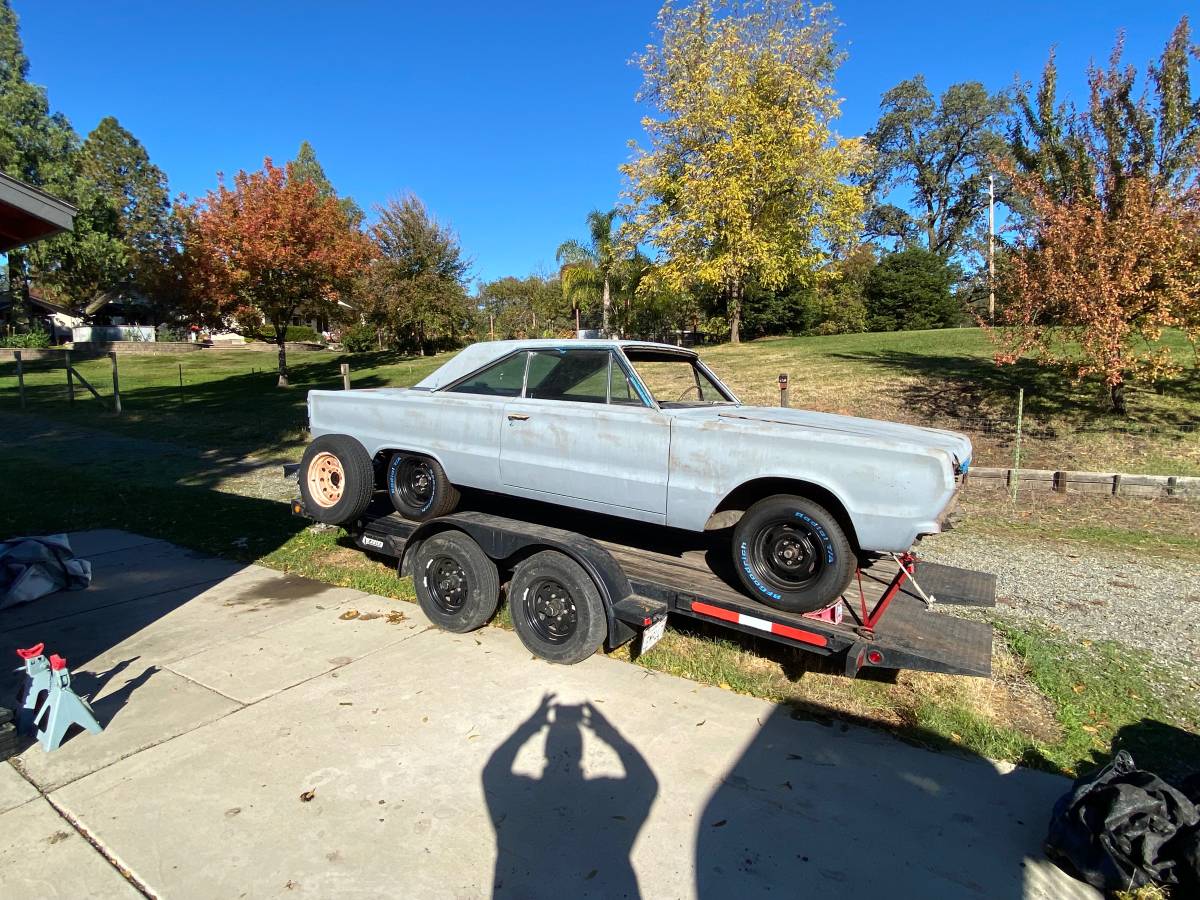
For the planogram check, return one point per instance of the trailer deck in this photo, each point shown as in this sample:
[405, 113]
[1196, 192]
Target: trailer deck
[883, 620]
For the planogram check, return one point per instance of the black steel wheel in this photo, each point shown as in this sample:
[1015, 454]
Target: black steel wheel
[556, 608]
[456, 583]
[418, 487]
[791, 553]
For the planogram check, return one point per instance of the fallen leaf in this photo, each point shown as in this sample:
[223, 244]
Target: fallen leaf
[1078, 688]
[724, 685]
[701, 722]
[395, 618]
[720, 823]
[1090, 729]
[348, 615]
[308, 795]
[366, 617]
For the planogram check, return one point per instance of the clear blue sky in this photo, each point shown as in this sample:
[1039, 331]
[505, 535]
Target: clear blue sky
[507, 119]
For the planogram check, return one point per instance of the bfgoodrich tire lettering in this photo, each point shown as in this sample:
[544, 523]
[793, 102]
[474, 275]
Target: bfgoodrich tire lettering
[792, 554]
[456, 584]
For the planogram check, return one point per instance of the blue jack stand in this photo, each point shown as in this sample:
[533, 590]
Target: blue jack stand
[62, 707]
[36, 688]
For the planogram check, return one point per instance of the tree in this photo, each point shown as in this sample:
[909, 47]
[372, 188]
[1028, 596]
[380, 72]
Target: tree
[589, 269]
[533, 306]
[307, 168]
[40, 148]
[416, 286]
[941, 150]
[911, 290]
[1109, 252]
[268, 248]
[117, 164]
[744, 179]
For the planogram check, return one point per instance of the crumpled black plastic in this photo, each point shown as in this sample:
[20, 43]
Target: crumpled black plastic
[1122, 828]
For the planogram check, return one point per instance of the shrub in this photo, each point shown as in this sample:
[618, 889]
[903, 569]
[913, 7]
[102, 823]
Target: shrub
[359, 338]
[30, 340]
[299, 333]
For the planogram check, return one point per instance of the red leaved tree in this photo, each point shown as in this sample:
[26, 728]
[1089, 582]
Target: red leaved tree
[267, 249]
[1093, 289]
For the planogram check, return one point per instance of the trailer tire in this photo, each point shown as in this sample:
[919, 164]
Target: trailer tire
[418, 487]
[336, 479]
[791, 553]
[556, 608]
[456, 583]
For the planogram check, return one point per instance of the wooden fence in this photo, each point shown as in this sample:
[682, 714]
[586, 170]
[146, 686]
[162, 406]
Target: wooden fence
[1116, 484]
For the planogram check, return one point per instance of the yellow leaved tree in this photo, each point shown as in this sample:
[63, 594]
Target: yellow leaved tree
[744, 179]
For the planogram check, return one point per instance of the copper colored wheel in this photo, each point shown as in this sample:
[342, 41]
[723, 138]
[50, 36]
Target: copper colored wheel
[326, 479]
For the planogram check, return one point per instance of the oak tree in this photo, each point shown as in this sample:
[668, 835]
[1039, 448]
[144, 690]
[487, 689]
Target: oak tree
[744, 178]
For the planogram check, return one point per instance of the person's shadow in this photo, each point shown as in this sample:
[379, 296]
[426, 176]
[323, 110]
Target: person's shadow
[564, 834]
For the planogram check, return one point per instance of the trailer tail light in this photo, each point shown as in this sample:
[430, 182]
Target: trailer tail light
[874, 657]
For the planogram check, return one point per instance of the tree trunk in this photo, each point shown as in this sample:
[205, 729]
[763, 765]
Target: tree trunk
[606, 302]
[735, 312]
[281, 340]
[1117, 392]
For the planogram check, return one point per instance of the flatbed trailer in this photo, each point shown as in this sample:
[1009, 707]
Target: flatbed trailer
[889, 618]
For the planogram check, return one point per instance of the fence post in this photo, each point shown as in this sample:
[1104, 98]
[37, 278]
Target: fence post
[116, 384]
[70, 377]
[181, 383]
[1017, 448]
[345, 376]
[20, 377]
[783, 389]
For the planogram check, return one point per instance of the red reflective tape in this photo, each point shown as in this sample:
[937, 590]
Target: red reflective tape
[797, 635]
[715, 611]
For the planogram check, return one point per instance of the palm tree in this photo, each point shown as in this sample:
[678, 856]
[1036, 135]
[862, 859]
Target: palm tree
[588, 269]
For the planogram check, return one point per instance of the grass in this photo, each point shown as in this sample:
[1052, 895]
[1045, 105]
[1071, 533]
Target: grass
[945, 378]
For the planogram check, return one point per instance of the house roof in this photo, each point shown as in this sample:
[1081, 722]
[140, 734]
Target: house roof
[28, 214]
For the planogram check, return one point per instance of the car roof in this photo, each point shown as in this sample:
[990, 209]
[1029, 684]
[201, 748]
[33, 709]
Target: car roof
[478, 355]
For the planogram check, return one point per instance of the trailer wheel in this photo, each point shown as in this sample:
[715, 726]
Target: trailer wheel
[336, 479]
[556, 608]
[418, 487]
[456, 584]
[792, 554]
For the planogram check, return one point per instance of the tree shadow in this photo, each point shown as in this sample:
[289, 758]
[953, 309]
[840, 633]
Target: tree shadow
[565, 834]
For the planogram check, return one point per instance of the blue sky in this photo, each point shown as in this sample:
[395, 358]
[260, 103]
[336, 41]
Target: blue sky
[508, 119]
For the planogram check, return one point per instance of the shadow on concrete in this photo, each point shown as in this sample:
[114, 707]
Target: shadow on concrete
[565, 834]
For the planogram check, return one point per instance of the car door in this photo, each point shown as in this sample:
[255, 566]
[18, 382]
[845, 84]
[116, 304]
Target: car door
[581, 431]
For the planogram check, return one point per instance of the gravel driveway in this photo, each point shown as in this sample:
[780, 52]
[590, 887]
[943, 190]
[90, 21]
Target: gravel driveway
[1148, 602]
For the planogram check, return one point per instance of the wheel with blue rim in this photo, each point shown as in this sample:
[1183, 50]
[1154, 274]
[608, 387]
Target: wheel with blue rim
[418, 487]
[792, 554]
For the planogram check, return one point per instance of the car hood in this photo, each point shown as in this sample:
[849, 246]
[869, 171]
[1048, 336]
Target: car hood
[957, 445]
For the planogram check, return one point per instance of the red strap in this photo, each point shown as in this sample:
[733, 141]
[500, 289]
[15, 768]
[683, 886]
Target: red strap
[31, 652]
[57, 662]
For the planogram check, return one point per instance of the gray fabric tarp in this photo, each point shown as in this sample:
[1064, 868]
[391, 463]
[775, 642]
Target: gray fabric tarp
[31, 567]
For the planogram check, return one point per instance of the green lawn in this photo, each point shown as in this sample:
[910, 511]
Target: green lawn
[945, 378]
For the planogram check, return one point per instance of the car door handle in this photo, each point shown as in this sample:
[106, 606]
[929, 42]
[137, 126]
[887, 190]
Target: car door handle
[517, 417]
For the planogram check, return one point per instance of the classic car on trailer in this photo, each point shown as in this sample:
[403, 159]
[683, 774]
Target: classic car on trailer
[641, 431]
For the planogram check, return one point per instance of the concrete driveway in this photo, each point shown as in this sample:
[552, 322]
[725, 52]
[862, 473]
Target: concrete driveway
[261, 742]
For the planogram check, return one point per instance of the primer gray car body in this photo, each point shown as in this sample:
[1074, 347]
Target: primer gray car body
[668, 464]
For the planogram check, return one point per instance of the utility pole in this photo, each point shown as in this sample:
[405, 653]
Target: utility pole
[991, 249]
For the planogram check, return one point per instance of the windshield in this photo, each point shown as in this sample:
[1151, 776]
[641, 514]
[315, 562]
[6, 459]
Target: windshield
[677, 380]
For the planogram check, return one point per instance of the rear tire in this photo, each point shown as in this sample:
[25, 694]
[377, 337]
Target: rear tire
[456, 584]
[556, 608]
[792, 554]
[336, 479]
[418, 487]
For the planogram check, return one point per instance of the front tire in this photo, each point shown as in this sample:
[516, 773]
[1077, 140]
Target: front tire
[556, 608]
[418, 487]
[336, 479]
[456, 584]
[791, 553]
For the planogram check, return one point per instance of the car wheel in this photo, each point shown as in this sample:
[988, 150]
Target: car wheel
[336, 479]
[418, 487]
[792, 554]
[456, 584]
[556, 608]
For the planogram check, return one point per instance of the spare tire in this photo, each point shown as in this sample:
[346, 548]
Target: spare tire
[336, 479]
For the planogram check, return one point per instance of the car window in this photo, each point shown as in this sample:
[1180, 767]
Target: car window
[675, 380]
[578, 375]
[504, 379]
[623, 393]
